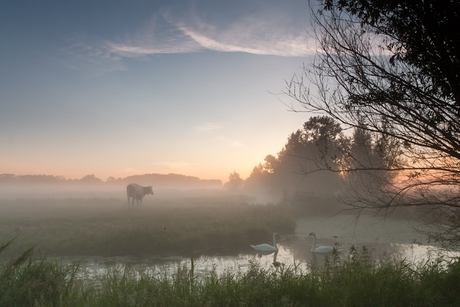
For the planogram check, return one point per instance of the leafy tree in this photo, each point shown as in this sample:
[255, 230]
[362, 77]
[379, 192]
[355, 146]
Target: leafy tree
[322, 129]
[392, 69]
[90, 179]
[325, 143]
[259, 180]
[234, 181]
[423, 34]
[285, 173]
[111, 179]
[270, 163]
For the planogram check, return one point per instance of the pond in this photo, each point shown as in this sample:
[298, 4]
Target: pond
[388, 239]
[290, 254]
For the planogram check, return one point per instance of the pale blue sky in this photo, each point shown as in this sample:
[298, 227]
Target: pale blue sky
[116, 88]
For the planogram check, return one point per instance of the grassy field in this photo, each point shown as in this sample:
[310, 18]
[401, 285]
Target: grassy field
[191, 226]
[356, 281]
[162, 226]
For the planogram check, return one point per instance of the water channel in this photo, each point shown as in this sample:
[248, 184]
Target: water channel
[384, 240]
[291, 254]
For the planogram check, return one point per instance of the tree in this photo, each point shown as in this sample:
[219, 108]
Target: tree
[324, 142]
[90, 179]
[270, 163]
[392, 69]
[283, 173]
[322, 129]
[255, 178]
[234, 181]
[111, 179]
[323, 135]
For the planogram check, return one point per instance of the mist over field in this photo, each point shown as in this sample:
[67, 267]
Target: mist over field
[195, 230]
[95, 220]
[288, 194]
[92, 217]
[90, 186]
[230, 153]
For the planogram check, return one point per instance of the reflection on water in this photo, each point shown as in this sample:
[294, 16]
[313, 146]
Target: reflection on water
[291, 253]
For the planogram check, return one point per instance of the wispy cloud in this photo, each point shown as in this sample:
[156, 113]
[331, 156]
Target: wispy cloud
[261, 34]
[88, 54]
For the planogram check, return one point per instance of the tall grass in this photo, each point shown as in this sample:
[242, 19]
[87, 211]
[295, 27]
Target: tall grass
[28, 282]
[356, 281]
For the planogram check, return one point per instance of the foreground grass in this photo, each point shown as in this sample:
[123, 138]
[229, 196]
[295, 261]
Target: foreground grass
[353, 282]
[162, 226]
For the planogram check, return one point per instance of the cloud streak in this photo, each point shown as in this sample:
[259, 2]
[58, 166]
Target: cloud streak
[261, 34]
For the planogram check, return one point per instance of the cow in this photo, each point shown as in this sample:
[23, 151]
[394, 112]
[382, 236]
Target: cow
[137, 192]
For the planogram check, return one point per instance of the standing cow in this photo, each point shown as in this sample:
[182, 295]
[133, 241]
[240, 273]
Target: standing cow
[137, 192]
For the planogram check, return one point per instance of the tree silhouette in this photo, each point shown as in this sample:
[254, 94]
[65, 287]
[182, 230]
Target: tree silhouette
[392, 69]
[234, 181]
[320, 138]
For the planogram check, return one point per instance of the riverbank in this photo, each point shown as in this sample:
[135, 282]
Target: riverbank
[352, 282]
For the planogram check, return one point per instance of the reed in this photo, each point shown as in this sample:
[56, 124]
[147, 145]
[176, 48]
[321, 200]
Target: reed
[356, 281]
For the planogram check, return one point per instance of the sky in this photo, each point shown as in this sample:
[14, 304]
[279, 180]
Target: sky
[120, 88]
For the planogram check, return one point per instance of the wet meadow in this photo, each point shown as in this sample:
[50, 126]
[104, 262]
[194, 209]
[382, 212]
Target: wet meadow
[38, 233]
[199, 225]
[356, 281]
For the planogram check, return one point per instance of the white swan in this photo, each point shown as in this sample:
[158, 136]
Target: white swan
[267, 249]
[322, 249]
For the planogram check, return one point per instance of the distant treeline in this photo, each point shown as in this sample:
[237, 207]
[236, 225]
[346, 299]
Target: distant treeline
[157, 180]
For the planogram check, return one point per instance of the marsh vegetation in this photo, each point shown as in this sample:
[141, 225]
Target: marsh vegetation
[41, 234]
[161, 226]
[356, 281]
